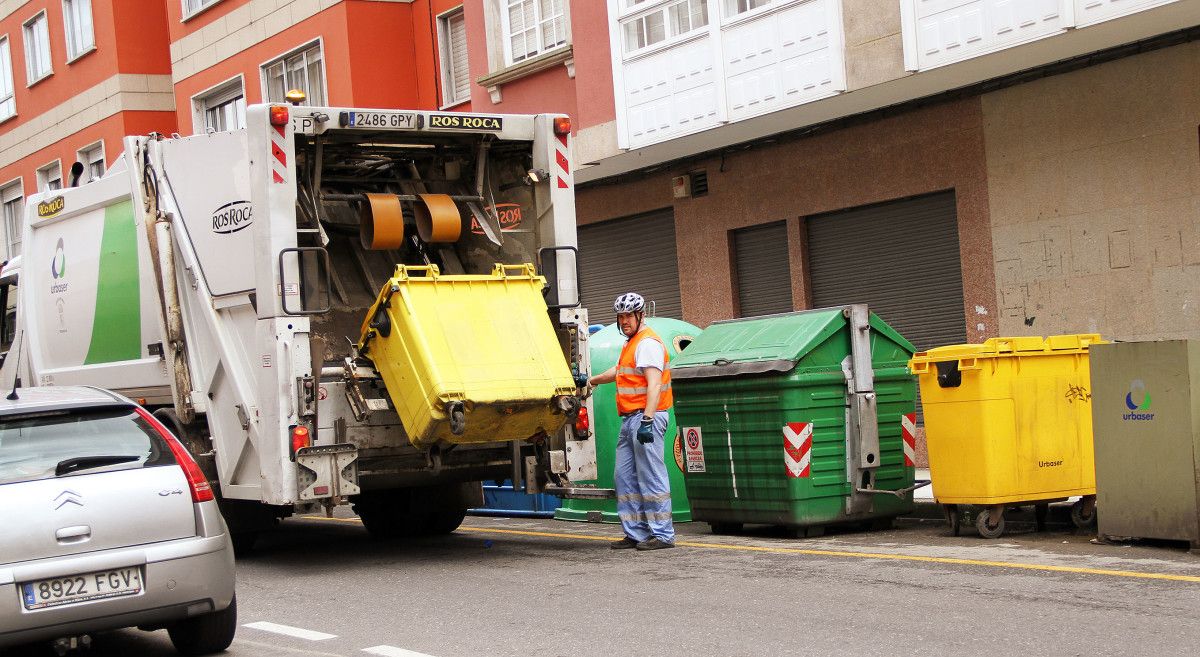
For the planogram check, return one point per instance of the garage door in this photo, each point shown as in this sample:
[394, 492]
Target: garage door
[764, 275]
[636, 254]
[901, 258]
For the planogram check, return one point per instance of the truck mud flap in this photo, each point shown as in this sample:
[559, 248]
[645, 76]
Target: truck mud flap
[327, 471]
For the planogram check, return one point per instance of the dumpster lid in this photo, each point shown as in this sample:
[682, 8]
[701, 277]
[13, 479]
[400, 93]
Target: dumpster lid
[1034, 345]
[769, 343]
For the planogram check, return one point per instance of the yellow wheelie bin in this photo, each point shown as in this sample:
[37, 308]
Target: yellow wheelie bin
[1009, 423]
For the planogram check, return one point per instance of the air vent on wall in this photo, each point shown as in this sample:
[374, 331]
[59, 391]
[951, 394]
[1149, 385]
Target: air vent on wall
[699, 180]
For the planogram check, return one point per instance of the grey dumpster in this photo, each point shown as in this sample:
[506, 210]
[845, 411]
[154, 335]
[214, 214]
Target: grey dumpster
[1146, 424]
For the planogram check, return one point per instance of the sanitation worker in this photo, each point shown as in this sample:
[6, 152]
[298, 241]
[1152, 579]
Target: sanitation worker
[643, 397]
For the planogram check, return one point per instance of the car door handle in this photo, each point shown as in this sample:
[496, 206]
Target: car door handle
[76, 534]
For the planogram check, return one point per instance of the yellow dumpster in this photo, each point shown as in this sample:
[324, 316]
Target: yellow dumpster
[1009, 422]
[466, 358]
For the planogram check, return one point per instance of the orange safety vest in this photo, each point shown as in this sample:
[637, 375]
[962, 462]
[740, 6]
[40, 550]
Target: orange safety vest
[631, 383]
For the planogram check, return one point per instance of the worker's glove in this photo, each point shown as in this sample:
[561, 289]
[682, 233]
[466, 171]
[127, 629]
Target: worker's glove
[645, 432]
[581, 380]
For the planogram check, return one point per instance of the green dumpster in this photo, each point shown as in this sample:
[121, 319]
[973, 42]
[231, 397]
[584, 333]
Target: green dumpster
[605, 347]
[799, 420]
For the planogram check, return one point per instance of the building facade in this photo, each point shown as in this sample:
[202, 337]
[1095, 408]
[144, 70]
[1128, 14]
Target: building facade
[76, 76]
[969, 169]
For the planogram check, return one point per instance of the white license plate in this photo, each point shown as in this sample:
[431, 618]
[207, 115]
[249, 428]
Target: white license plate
[403, 120]
[82, 588]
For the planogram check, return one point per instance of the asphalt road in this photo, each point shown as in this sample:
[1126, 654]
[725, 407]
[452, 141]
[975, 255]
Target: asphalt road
[548, 588]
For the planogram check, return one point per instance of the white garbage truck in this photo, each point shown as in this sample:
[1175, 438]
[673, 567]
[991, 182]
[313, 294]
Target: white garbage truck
[331, 305]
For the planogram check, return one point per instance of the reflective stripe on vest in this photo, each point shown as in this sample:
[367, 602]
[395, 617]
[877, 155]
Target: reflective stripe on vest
[631, 382]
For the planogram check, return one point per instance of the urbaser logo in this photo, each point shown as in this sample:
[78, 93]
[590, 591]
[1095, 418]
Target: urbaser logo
[232, 217]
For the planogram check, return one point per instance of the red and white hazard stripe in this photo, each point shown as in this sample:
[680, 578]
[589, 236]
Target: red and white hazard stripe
[797, 448]
[564, 167]
[278, 153]
[908, 435]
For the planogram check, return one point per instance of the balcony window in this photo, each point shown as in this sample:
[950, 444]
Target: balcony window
[532, 27]
[221, 109]
[303, 69]
[13, 203]
[8, 104]
[735, 7]
[452, 44]
[669, 21]
[77, 19]
[92, 158]
[49, 177]
[37, 49]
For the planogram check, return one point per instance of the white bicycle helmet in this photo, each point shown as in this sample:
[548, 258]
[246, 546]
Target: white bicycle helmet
[630, 302]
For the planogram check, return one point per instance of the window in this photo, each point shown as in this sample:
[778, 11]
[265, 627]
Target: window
[221, 109]
[452, 41]
[191, 7]
[532, 27]
[8, 104]
[670, 21]
[37, 48]
[49, 177]
[303, 70]
[93, 162]
[734, 7]
[14, 207]
[77, 16]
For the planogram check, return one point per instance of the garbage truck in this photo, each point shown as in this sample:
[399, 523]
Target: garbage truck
[329, 306]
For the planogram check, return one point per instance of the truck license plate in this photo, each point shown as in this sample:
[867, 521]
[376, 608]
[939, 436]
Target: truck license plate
[403, 120]
[82, 588]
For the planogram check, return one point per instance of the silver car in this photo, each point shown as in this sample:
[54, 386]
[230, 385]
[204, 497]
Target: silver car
[106, 522]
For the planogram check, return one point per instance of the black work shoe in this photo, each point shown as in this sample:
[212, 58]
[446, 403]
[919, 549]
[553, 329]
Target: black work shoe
[623, 544]
[653, 543]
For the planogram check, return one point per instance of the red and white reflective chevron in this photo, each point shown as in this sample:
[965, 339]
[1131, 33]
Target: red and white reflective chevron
[908, 433]
[797, 448]
[278, 153]
[564, 167]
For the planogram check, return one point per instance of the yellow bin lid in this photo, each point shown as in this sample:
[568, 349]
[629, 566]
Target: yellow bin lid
[1055, 345]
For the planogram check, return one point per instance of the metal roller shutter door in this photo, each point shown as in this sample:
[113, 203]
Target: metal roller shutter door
[764, 275]
[900, 258]
[636, 254]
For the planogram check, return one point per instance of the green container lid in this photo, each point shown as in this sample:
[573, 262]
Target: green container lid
[778, 343]
[605, 348]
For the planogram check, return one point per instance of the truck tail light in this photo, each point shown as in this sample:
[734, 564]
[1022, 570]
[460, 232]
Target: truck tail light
[582, 421]
[562, 125]
[300, 438]
[201, 490]
[279, 115]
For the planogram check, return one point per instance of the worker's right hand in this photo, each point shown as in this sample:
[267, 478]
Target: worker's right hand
[584, 391]
[645, 432]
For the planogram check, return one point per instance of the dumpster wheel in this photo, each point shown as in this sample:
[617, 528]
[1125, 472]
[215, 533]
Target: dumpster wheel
[984, 526]
[1083, 515]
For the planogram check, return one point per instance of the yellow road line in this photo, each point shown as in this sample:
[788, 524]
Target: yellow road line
[843, 553]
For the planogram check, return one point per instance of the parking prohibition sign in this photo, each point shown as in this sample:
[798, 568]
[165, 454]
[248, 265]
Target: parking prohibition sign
[693, 449]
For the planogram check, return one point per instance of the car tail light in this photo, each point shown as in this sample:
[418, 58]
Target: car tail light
[582, 421]
[300, 438]
[201, 490]
[279, 115]
[562, 125]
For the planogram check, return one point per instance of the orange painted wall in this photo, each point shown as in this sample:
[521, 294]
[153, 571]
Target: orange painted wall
[587, 98]
[180, 29]
[112, 131]
[108, 59]
[130, 37]
[379, 54]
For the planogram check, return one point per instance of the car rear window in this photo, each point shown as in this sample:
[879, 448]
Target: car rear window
[62, 444]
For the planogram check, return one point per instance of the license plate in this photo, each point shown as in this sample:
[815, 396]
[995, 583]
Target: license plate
[403, 120]
[82, 588]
